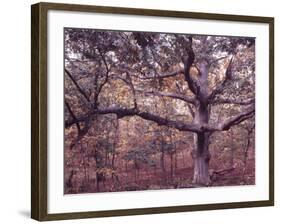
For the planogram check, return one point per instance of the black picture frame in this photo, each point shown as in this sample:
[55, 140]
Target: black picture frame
[39, 194]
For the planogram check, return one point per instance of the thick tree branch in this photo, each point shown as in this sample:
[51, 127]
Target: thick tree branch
[125, 112]
[188, 61]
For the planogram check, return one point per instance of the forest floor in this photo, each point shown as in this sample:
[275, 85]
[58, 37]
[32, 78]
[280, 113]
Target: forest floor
[156, 179]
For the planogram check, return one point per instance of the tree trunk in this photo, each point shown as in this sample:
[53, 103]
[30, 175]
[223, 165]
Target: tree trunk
[201, 158]
[201, 155]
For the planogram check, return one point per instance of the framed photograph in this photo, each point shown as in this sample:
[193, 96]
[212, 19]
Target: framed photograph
[139, 111]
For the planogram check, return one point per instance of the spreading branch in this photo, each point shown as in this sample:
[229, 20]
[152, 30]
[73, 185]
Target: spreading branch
[157, 75]
[170, 95]
[235, 120]
[73, 116]
[191, 111]
[233, 101]
[99, 87]
[222, 85]
[188, 62]
[81, 91]
[128, 81]
[106, 74]
[125, 112]
[212, 62]
[81, 131]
